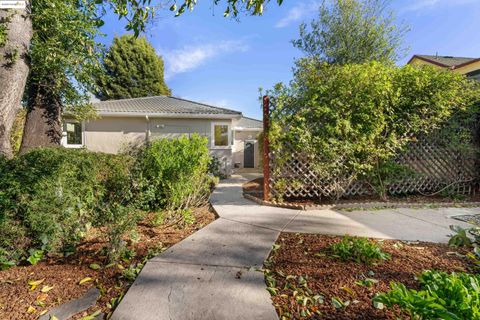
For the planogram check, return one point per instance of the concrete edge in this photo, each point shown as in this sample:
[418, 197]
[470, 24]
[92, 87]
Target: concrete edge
[363, 205]
[72, 307]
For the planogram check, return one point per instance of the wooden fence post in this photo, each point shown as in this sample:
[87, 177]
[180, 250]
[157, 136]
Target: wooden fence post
[266, 149]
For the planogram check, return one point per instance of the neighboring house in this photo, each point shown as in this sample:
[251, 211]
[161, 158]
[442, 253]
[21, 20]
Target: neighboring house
[232, 138]
[467, 66]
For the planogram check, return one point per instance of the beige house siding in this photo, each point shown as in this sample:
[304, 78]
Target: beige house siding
[113, 134]
[240, 137]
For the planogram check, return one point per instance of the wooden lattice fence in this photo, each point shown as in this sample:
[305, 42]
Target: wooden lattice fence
[435, 165]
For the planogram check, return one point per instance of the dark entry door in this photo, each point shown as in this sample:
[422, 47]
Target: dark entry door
[249, 155]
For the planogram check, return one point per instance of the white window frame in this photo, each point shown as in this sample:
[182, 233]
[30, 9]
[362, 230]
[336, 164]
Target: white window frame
[64, 135]
[229, 135]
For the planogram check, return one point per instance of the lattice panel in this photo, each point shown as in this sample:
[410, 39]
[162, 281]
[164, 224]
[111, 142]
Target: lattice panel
[435, 167]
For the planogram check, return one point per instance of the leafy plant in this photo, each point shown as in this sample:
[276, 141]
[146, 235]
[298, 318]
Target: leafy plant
[215, 167]
[460, 237]
[354, 119]
[442, 296]
[361, 250]
[35, 256]
[174, 174]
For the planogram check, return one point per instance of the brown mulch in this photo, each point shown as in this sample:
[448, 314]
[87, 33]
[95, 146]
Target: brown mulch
[255, 188]
[64, 274]
[307, 256]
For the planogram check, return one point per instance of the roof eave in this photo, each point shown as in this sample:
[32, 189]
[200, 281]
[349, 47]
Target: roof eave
[170, 115]
[428, 60]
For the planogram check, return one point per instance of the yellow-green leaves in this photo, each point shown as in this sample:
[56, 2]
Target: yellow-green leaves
[85, 280]
[35, 283]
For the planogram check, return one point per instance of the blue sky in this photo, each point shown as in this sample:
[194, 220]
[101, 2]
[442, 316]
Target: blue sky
[223, 62]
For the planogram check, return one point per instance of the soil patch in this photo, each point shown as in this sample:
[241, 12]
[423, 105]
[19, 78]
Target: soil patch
[305, 255]
[19, 301]
[255, 188]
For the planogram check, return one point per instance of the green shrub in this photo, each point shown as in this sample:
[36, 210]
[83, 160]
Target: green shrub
[442, 296]
[50, 197]
[215, 167]
[361, 250]
[356, 118]
[174, 173]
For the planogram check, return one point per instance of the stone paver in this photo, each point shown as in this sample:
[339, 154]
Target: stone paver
[211, 274]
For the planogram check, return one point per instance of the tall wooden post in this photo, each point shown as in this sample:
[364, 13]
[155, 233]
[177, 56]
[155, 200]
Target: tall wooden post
[266, 149]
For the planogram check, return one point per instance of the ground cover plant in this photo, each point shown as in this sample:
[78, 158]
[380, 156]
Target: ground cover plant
[53, 201]
[442, 296]
[307, 282]
[359, 250]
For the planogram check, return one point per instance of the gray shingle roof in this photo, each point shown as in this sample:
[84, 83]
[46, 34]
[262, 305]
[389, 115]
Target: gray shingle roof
[159, 105]
[447, 61]
[246, 122]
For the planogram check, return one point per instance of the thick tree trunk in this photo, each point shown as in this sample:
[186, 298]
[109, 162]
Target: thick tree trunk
[13, 71]
[43, 122]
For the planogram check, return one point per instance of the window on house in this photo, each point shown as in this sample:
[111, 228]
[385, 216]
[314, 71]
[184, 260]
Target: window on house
[220, 135]
[74, 133]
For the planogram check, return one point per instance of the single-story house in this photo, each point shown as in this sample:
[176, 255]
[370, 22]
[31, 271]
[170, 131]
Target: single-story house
[467, 66]
[232, 138]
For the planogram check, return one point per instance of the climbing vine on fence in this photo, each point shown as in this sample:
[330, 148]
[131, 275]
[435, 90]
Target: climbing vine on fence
[338, 125]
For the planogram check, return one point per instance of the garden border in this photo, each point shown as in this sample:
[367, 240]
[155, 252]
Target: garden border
[362, 205]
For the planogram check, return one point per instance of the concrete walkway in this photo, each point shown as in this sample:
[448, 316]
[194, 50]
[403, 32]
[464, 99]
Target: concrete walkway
[211, 274]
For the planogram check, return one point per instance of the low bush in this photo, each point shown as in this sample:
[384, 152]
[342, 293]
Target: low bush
[174, 174]
[51, 197]
[361, 250]
[442, 296]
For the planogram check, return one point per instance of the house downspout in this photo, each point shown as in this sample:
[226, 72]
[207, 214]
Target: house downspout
[147, 134]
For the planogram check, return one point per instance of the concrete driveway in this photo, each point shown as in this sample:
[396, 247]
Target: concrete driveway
[212, 274]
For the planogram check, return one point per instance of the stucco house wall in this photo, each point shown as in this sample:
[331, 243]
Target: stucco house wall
[123, 124]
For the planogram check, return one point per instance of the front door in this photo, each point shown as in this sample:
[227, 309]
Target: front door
[249, 155]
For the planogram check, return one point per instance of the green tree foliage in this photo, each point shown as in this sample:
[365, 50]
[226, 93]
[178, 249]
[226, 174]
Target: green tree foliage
[132, 69]
[232, 7]
[64, 54]
[352, 31]
[357, 117]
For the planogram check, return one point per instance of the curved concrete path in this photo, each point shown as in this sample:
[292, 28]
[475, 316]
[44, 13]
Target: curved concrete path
[211, 274]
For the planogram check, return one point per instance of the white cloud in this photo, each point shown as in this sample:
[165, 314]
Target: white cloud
[190, 57]
[297, 13]
[418, 5]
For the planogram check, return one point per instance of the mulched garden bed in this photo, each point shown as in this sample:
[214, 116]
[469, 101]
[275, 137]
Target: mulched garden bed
[255, 189]
[19, 301]
[305, 255]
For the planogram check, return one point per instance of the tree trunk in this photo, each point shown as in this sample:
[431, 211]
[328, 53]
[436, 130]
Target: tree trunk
[13, 71]
[43, 121]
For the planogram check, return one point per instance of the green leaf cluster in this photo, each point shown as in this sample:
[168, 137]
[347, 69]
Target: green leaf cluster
[175, 173]
[361, 250]
[353, 119]
[452, 296]
[132, 69]
[353, 31]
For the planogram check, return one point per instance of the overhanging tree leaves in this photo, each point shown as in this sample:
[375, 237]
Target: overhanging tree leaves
[352, 31]
[132, 69]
